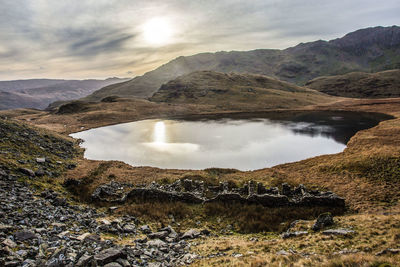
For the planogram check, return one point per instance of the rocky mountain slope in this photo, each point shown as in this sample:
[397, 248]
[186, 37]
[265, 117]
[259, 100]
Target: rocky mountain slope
[360, 84]
[370, 49]
[39, 93]
[236, 90]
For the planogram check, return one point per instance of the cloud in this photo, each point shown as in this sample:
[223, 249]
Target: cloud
[102, 38]
[88, 44]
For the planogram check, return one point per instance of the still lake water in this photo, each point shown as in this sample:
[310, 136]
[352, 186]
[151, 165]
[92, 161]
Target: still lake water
[244, 141]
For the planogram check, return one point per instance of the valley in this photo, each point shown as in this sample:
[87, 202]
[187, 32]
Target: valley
[336, 209]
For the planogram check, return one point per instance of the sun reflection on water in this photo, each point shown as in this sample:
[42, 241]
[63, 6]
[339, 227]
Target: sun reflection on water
[159, 133]
[160, 143]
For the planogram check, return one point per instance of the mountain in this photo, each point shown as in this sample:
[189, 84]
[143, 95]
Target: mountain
[236, 90]
[9, 86]
[369, 50]
[360, 84]
[39, 93]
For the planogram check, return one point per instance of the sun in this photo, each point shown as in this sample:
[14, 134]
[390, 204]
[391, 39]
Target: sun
[157, 31]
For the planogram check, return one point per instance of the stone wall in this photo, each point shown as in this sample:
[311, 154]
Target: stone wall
[197, 192]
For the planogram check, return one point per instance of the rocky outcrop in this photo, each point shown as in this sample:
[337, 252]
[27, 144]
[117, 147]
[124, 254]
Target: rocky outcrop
[196, 192]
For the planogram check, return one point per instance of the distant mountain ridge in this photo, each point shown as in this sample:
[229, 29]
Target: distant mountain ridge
[39, 93]
[368, 50]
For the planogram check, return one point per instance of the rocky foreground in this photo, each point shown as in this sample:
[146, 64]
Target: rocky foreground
[43, 229]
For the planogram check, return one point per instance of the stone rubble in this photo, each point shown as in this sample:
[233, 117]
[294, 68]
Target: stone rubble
[43, 229]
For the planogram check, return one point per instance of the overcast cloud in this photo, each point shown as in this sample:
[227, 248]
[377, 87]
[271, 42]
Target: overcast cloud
[104, 38]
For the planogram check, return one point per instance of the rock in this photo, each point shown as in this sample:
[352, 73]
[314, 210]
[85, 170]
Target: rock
[145, 229]
[171, 232]
[113, 264]
[5, 228]
[192, 233]
[9, 243]
[83, 236]
[109, 255]
[27, 171]
[261, 189]
[124, 262]
[390, 251]
[39, 173]
[156, 243]
[323, 220]
[11, 264]
[24, 235]
[286, 190]
[342, 232]
[84, 260]
[40, 160]
[129, 228]
[158, 235]
[92, 238]
[189, 258]
[3, 173]
[300, 190]
[293, 234]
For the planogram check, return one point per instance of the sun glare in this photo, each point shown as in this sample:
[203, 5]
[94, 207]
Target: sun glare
[157, 31]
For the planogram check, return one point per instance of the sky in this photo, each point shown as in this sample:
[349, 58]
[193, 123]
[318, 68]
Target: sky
[80, 39]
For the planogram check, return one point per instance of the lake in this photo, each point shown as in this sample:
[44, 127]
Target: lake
[239, 141]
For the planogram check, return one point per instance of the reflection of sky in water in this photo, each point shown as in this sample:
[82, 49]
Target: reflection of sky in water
[240, 144]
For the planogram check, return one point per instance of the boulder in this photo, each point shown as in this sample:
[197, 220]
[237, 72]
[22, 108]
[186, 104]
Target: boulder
[158, 235]
[24, 235]
[113, 264]
[40, 160]
[156, 243]
[145, 229]
[109, 255]
[84, 260]
[9, 243]
[129, 228]
[323, 220]
[190, 234]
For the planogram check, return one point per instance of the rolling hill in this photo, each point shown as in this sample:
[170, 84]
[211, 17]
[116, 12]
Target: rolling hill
[39, 93]
[232, 91]
[360, 84]
[369, 50]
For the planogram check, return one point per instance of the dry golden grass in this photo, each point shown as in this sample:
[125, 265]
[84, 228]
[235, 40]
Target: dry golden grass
[373, 234]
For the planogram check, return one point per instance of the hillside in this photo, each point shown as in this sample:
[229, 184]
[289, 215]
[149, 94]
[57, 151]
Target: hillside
[9, 86]
[39, 93]
[370, 49]
[360, 84]
[236, 90]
